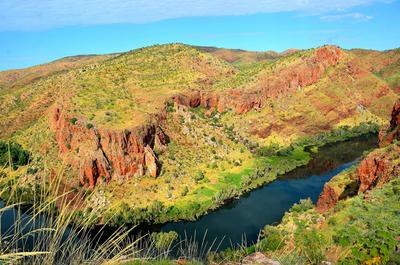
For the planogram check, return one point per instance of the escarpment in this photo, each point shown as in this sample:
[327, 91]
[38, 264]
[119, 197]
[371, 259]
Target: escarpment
[376, 169]
[103, 154]
[393, 132]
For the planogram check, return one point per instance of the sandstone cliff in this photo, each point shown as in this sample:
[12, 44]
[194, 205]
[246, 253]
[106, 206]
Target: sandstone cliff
[102, 154]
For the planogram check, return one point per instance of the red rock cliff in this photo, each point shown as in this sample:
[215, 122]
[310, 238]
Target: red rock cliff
[393, 132]
[104, 154]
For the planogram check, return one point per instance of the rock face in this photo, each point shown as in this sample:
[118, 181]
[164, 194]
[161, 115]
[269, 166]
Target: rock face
[393, 132]
[374, 170]
[327, 199]
[282, 82]
[102, 154]
[378, 168]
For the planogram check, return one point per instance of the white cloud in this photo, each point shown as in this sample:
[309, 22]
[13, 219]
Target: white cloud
[353, 16]
[42, 14]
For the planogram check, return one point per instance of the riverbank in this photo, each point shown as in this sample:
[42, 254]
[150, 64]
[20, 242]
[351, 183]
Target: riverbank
[268, 163]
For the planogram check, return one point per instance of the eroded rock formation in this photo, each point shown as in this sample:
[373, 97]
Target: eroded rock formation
[393, 132]
[102, 153]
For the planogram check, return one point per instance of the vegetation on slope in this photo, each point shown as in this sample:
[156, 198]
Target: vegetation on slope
[121, 93]
[21, 77]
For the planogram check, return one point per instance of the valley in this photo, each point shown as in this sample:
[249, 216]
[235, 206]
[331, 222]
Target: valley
[170, 133]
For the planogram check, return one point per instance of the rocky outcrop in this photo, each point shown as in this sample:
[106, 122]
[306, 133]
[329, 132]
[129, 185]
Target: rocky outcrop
[328, 198]
[393, 132]
[102, 154]
[378, 168]
[283, 81]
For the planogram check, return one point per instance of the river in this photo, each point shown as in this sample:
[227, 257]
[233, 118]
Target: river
[243, 219]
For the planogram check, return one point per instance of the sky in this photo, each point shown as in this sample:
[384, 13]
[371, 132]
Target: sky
[38, 31]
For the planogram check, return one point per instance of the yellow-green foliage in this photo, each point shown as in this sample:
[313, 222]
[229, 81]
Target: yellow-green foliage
[122, 92]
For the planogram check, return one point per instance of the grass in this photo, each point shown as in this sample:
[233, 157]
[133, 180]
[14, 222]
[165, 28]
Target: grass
[41, 231]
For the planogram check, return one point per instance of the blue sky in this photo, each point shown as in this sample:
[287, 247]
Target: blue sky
[38, 31]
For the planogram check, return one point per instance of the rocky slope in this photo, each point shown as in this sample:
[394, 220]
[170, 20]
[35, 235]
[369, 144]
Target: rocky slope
[376, 169]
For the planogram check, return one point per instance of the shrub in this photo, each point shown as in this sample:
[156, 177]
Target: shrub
[170, 106]
[199, 176]
[73, 120]
[366, 245]
[273, 239]
[15, 153]
[302, 206]
[185, 191]
[246, 181]
[237, 163]
[221, 196]
[163, 240]
[310, 243]
[270, 150]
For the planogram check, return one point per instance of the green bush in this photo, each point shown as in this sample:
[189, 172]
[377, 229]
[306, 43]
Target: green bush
[15, 153]
[199, 176]
[170, 106]
[185, 191]
[311, 244]
[221, 196]
[164, 240]
[272, 239]
[73, 120]
[366, 245]
[302, 206]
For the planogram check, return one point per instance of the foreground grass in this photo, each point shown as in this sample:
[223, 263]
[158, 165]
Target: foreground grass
[45, 231]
